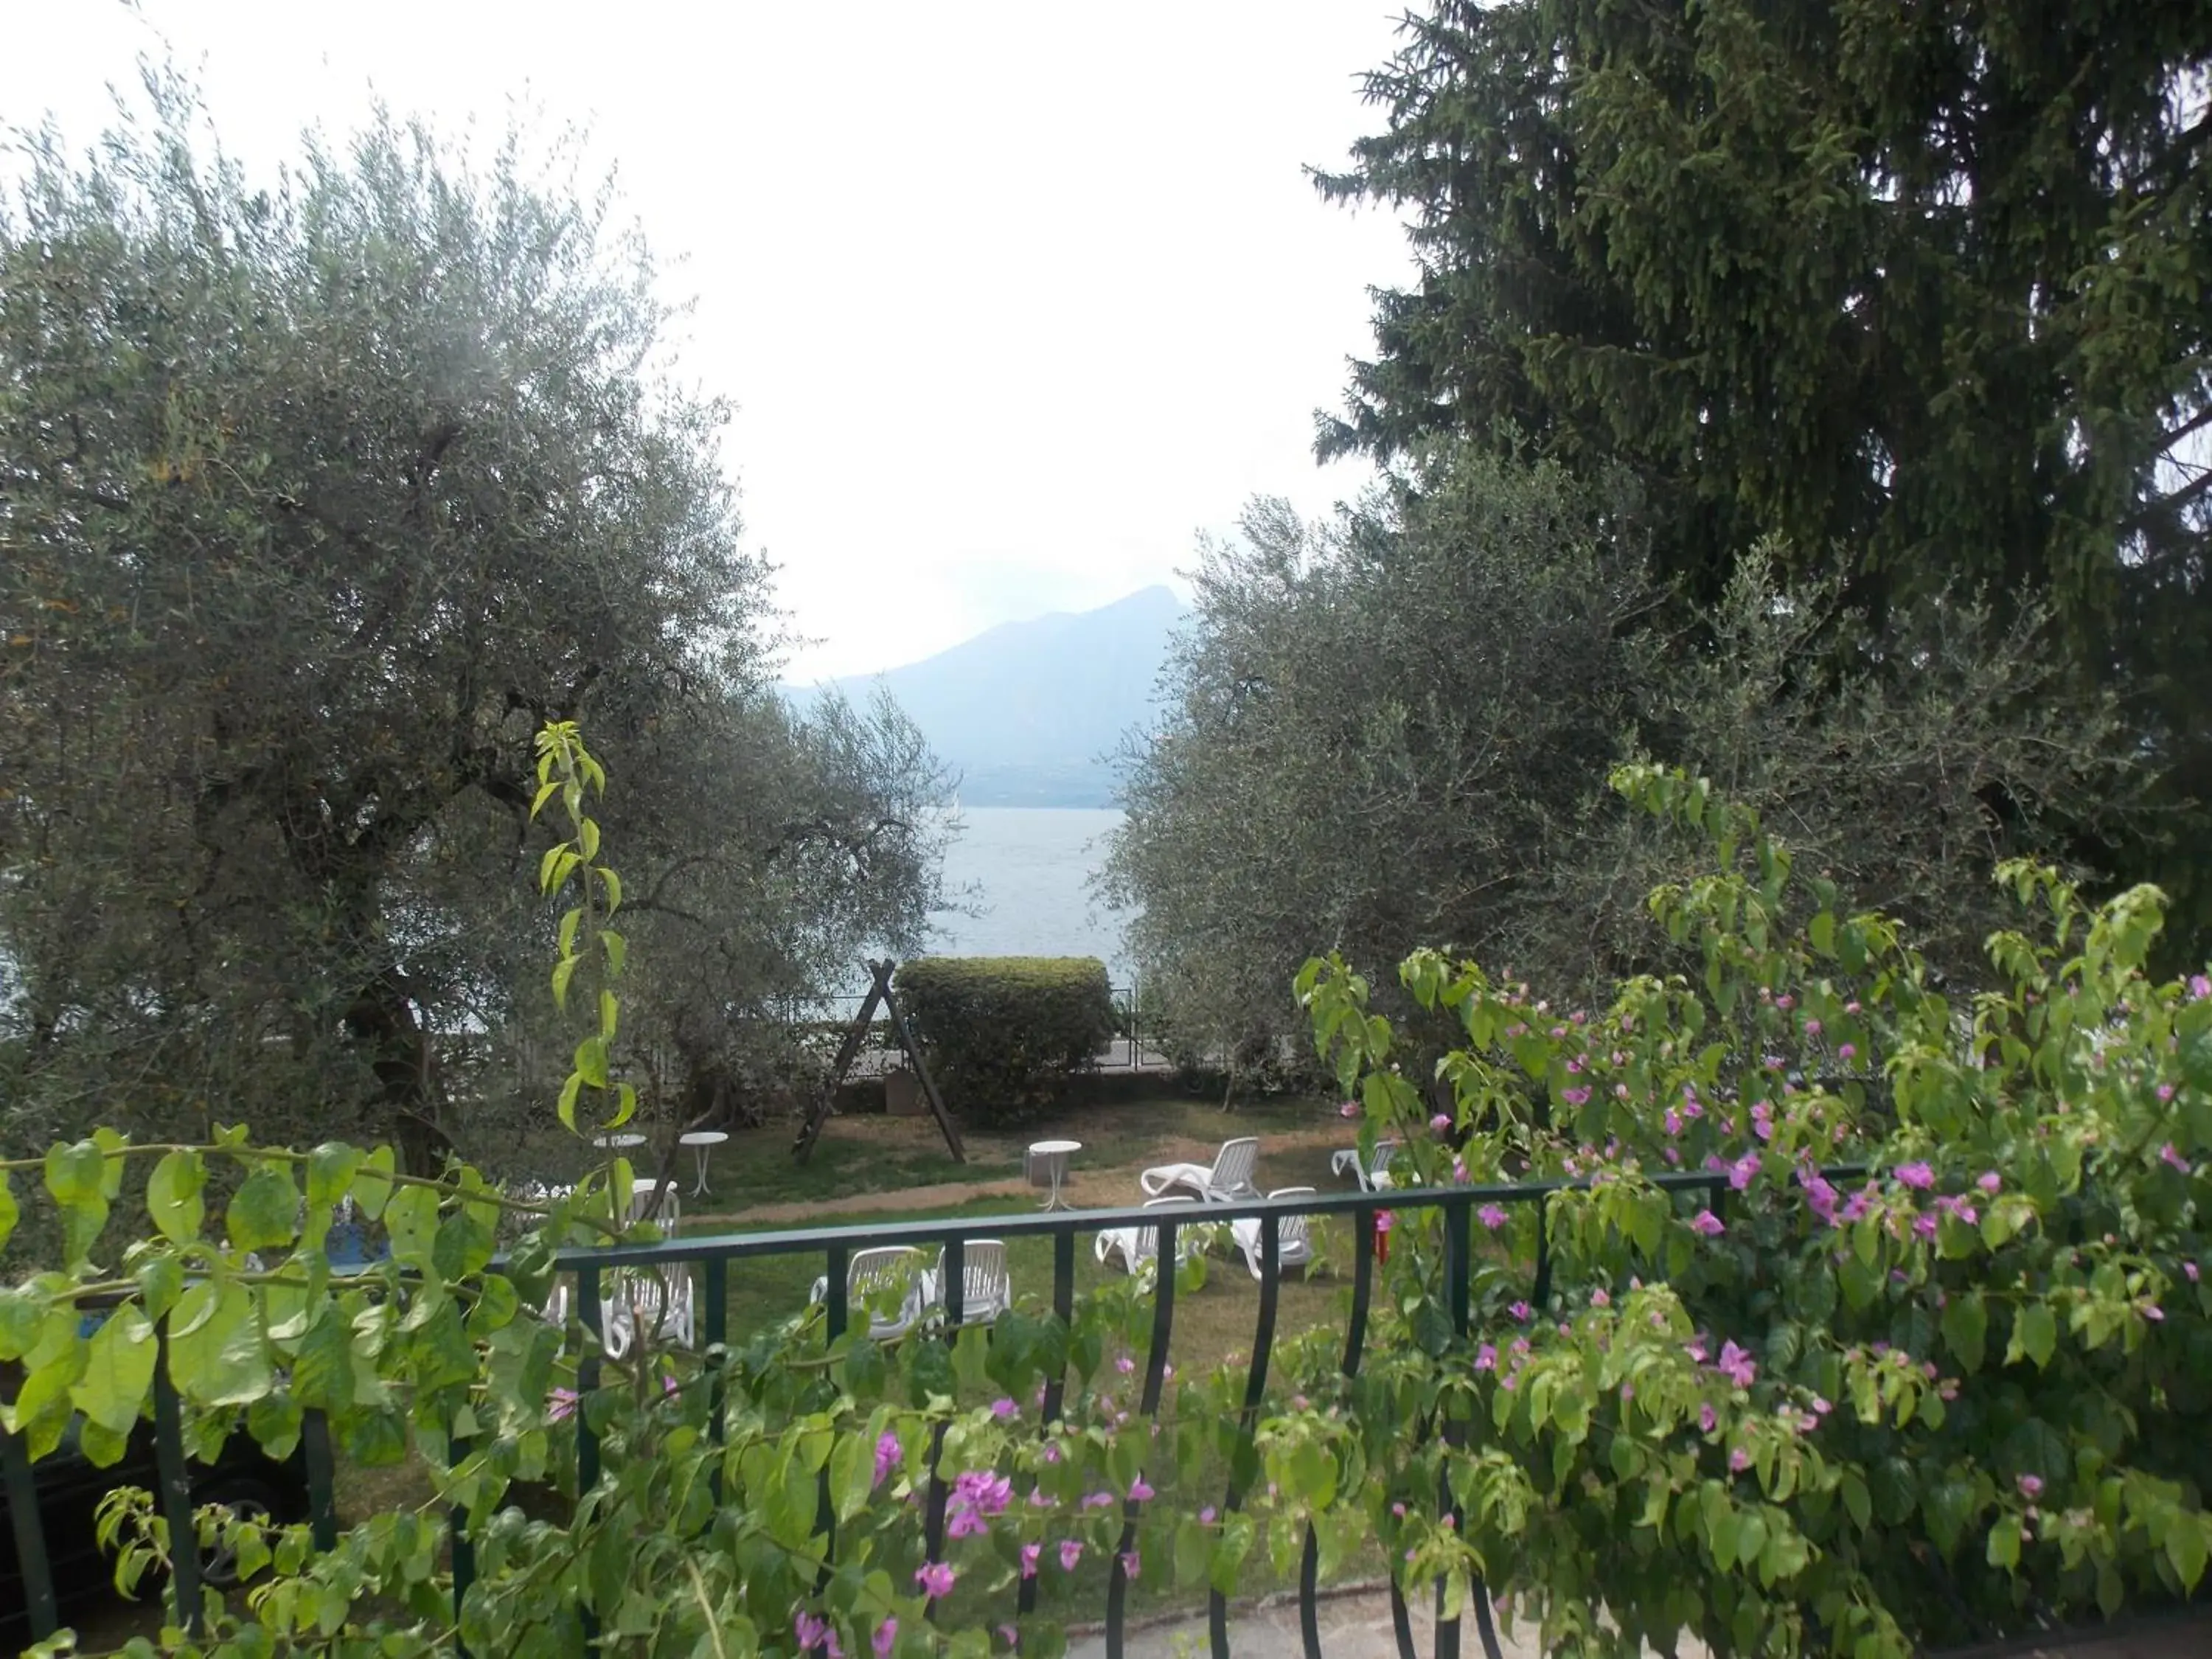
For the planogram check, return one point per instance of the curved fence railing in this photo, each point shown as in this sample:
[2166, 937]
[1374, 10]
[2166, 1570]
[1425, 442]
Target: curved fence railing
[712, 1257]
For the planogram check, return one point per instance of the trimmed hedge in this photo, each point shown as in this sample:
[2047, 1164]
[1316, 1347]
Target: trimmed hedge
[1002, 1034]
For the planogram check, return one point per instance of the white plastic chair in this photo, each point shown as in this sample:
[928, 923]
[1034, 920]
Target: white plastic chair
[632, 1300]
[1372, 1178]
[871, 1275]
[986, 1289]
[1228, 1179]
[648, 1302]
[1139, 1246]
[1293, 1243]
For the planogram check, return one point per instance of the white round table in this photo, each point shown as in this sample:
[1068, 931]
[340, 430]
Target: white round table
[702, 1142]
[618, 1143]
[1054, 1156]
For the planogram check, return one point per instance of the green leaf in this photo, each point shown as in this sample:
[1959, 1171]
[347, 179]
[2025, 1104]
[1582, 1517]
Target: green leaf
[411, 1218]
[1237, 1533]
[2004, 1549]
[614, 890]
[322, 1372]
[563, 971]
[566, 1106]
[591, 1061]
[2185, 1546]
[76, 1175]
[9, 1211]
[852, 1474]
[118, 1371]
[1857, 1500]
[1966, 1328]
[2036, 1327]
[265, 1212]
[172, 1195]
[617, 949]
[609, 1014]
[215, 1351]
[371, 1182]
[1194, 1550]
[330, 1169]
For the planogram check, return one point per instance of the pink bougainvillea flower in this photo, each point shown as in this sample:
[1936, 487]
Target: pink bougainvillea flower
[1004, 1409]
[1707, 1224]
[1847, 1051]
[815, 1633]
[1206, 1516]
[2167, 1155]
[1601, 1298]
[1071, 1552]
[1350, 1108]
[936, 1580]
[1917, 1176]
[562, 1404]
[1741, 1172]
[1812, 1028]
[1990, 1181]
[1739, 1459]
[1098, 1500]
[1491, 1216]
[2199, 988]
[885, 1636]
[1030, 1553]
[1010, 1635]
[2189, 1271]
[1441, 1123]
[1133, 1564]
[1520, 1310]
[1736, 1364]
[2031, 1486]
[1708, 1418]
[888, 1454]
[1140, 1490]
[1486, 1358]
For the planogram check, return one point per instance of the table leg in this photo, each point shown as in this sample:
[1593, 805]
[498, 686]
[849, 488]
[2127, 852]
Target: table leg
[700, 1154]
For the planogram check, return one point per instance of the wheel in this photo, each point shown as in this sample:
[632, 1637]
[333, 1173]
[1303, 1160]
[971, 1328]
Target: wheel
[245, 1499]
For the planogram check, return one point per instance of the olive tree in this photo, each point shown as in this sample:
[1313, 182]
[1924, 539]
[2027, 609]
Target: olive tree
[317, 499]
[1397, 724]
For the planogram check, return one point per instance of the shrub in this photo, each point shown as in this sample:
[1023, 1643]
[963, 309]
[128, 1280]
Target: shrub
[1002, 1033]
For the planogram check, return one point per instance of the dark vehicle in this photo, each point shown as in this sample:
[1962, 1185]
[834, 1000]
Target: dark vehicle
[244, 1478]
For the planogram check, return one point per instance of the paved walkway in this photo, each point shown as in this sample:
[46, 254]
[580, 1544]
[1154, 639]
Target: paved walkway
[1356, 1625]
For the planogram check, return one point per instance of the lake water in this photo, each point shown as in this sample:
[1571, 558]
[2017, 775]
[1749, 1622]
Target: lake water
[1028, 868]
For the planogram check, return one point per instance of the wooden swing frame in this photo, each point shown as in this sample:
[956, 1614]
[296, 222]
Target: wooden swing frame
[878, 991]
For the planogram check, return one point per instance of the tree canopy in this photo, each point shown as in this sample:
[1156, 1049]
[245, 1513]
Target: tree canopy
[1922, 285]
[1397, 725]
[316, 502]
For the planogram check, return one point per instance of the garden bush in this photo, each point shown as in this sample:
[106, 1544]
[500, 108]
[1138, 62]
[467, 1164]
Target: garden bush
[1002, 1034]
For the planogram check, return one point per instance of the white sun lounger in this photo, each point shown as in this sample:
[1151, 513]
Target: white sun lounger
[1293, 1242]
[1226, 1180]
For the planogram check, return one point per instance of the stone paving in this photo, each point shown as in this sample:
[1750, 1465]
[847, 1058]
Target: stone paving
[1357, 1625]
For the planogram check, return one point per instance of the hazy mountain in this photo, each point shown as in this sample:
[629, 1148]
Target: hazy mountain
[1028, 711]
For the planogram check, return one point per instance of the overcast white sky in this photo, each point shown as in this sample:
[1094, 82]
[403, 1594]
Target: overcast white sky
[1013, 298]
